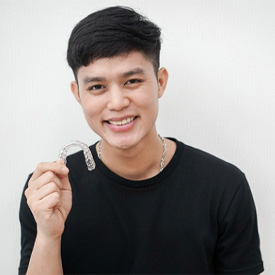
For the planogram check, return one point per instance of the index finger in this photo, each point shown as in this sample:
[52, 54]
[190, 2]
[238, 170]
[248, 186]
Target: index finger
[57, 167]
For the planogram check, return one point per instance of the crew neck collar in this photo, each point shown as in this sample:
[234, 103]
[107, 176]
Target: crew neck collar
[139, 183]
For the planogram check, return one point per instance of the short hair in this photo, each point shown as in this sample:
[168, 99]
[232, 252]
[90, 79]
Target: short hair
[111, 32]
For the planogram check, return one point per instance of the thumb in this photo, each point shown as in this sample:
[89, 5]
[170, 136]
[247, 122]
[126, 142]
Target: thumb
[64, 177]
[66, 185]
[64, 169]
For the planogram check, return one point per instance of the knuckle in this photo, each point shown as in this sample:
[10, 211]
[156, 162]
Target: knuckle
[53, 187]
[28, 192]
[50, 175]
[56, 196]
[32, 204]
[40, 166]
[31, 181]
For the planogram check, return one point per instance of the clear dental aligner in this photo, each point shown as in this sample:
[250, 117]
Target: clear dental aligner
[87, 153]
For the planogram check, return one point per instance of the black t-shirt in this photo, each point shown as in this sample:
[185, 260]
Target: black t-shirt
[195, 217]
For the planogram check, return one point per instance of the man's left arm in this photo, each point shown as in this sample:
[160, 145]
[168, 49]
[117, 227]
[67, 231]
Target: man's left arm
[238, 245]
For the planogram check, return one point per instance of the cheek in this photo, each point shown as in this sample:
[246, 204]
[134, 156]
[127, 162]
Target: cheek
[148, 100]
[91, 108]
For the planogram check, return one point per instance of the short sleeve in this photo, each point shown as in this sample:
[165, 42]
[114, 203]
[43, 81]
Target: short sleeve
[28, 232]
[238, 244]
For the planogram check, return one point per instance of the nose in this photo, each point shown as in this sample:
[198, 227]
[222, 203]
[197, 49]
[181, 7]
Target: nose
[117, 99]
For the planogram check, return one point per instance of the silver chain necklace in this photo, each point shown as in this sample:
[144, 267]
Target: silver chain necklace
[162, 158]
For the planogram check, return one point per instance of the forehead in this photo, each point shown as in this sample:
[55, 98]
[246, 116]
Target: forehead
[117, 65]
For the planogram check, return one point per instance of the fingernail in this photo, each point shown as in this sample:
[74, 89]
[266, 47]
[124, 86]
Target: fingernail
[65, 169]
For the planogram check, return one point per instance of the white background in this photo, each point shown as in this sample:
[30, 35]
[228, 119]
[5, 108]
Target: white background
[220, 96]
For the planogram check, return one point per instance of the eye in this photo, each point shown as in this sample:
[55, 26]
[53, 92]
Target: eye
[96, 87]
[133, 81]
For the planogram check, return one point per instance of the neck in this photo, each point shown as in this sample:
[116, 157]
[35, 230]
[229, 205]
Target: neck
[139, 162]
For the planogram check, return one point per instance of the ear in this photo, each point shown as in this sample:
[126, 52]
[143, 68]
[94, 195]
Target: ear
[75, 91]
[162, 81]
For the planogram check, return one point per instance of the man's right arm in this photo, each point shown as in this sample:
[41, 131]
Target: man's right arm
[46, 257]
[49, 198]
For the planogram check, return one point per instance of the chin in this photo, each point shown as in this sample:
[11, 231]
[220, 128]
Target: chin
[124, 143]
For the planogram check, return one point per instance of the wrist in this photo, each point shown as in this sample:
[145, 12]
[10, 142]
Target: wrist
[45, 240]
[46, 256]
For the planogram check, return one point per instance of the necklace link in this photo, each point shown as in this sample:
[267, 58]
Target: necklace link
[162, 158]
[163, 153]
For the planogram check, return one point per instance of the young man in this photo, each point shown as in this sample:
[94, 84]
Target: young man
[152, 205]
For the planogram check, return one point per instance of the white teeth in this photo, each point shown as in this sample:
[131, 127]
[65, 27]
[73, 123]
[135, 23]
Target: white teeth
[122, 122]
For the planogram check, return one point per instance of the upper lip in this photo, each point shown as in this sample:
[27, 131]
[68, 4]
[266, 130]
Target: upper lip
[120, 118]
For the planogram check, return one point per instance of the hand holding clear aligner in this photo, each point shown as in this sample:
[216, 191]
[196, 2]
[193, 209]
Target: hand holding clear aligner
[87, 153]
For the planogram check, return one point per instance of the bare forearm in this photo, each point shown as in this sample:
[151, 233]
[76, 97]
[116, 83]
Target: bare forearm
[46, 257]
[49, 197]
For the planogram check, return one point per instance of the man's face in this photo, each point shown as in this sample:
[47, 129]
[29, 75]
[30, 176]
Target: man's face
[119, 97]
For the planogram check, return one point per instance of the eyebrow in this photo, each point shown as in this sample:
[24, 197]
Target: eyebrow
[88, 79]
[135, 71]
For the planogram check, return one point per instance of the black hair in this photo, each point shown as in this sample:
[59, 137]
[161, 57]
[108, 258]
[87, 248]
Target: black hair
[111, 32]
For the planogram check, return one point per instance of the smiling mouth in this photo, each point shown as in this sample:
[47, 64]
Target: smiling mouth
[122, 122]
